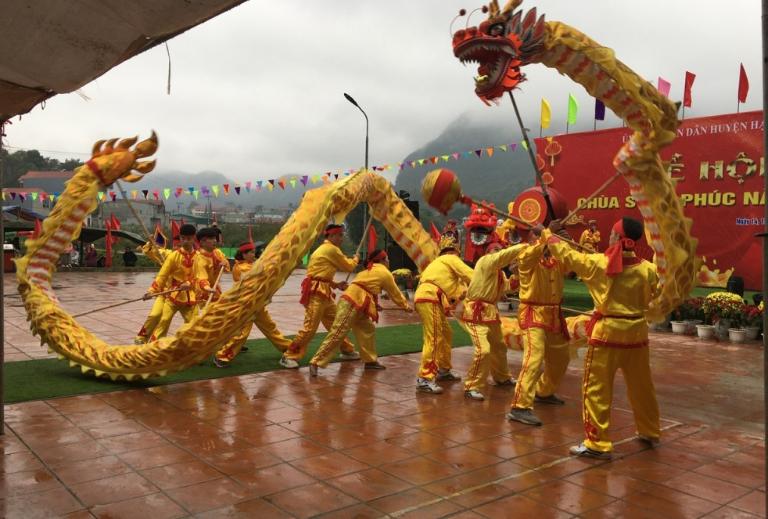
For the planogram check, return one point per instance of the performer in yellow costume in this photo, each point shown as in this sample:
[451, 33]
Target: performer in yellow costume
[441, 285]
[210, 263]
[358, 311]
[158, 255]
[244, 260]
[545, 336]
[177, 272]
[317, 296]
[480, 317]
[590, 238]
[622, 287]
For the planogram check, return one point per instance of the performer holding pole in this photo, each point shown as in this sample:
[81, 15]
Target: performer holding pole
[317, 296]
[210, 263]
[622, 287]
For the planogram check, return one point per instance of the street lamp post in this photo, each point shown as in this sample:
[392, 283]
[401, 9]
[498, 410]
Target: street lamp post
[365, 208]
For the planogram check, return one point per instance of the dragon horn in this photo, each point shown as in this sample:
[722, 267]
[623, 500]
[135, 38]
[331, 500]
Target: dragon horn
[147, 147]
[145, 166]
[127, 143]
[132, 178]
[493, 8]
[110, 145]
[511, 6]
[97, 148]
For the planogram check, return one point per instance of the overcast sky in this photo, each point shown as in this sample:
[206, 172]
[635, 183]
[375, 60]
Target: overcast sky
[257, 92]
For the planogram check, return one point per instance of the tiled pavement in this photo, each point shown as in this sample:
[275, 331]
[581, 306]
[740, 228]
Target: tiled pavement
[364, 444]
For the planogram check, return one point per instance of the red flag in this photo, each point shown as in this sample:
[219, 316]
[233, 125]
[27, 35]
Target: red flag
[743, 84]
[38, 228]
[434, 232]
[115, 222]
[372, 238]
[108, 242]
[690, 77]
[175, 231]
[159, 237]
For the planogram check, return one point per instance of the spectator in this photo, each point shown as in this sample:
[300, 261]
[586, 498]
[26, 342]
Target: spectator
[91, 256]
[129, 257]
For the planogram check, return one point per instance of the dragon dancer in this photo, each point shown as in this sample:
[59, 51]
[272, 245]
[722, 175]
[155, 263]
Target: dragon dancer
[210, 261]
[177, 272]
[158, 255]
[480, 318]
[317, 295]
[244, 259]
[545, 335]
[590, 238]
[622, 287]
[358, 310]
[441, 284]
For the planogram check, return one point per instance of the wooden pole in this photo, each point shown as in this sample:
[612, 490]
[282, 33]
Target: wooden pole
[360, 245]
[213, 291]
[591, 197]
[124, 303]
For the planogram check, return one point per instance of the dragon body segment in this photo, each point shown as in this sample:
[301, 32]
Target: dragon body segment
[198, 339]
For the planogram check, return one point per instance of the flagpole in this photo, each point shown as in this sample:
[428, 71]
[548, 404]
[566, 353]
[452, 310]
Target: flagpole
[765, 225]
[2, 287]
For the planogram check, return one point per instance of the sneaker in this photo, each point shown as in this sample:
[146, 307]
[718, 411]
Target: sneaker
[428, 386]
[313, 370]
[525, 416]
[447, 376]
[510, 382]
[374, 365]
[551, 400]
[244, 348]
[288, 363]
[474, 395]
[585, 452]
[349, 355]
[649, 441]
[138, 341]
[220, 363]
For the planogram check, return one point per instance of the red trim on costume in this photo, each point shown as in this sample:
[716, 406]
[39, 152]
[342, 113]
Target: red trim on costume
[309, 286]
[618, 345]
[597, 316]
[96, 170]
[527, 318]
[363, 309]
[440, 295]
[247, 247]
[382, 255]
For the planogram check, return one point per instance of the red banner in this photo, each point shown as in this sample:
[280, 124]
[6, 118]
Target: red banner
[719, 167]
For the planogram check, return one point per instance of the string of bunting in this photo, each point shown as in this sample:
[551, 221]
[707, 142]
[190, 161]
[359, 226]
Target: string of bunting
[270, 185]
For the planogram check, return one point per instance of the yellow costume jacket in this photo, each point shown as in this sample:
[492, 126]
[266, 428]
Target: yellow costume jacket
[178, 267]
[488, 285]
[240, 268]
[207, 267]
[323, 265]
[443, 282]
[363, 292]
[620, 301]
[541, 290]
[589, 239]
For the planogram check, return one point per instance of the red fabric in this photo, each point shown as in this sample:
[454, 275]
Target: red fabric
[441, 188]
[250, 234]
[372, 238]
[434, 232]
[381, 256]
[335, 230]
[247, 247]
[115, 222]
[615, 252]
[108, 253]
[743, 84]
[687, 98]
[175, 231]
[38, 229]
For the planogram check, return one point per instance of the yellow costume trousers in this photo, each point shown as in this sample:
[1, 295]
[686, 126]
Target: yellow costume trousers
[319, 310]
[362, 328]
[438, 336]
[600, 365]
[169, 310]
[266, 325]
[540, 346]
[151, 321]
[490, 355]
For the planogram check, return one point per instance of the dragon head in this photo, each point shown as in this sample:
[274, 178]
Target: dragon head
[112, 160]
[500, 45]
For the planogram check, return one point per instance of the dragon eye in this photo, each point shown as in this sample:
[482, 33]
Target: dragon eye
[497, 29]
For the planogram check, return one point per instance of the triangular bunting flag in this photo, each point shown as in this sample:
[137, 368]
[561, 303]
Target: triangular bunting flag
[445, 158]
[237, 189]
[479, 153]
[196, 193]
[215, 189]
[503, 147]
[524, 145]
[226, 188]
[248, 186]
[156, 194]
[489, 152]
[293, 183]
[270, 186]
[167, 193]
[304, 180]
[34, 195]
[434, 160]
[145, 192]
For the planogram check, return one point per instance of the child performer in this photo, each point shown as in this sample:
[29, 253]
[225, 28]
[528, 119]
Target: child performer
[244, 259]
[358, 311]
[622, 287]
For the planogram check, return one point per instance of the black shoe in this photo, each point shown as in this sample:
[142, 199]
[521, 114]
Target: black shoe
[244, 348]
[551, 400]
[525, 416]
[374, 365]
[220, 363]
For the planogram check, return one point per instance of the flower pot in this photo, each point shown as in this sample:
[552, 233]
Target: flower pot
[679, 327]
[705, 331]
[737, 334]
[721, 328]
[752, 332]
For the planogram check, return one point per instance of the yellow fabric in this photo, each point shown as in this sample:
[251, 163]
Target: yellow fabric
[265, 324]
[487, 286]
[600, 365]
[366, 287]
[556, 360]
[323, 265]
[318, 310]
[177, 268]
[348, 318]
[155, 253]
[541, 289]
[539, 344]
[207, 267]
[503, 230]
[437, 340]
[151, 321]
[626, 294]
[447, 273]
[490, 355]
[590, 240]
[169, 310]
[240, 268]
